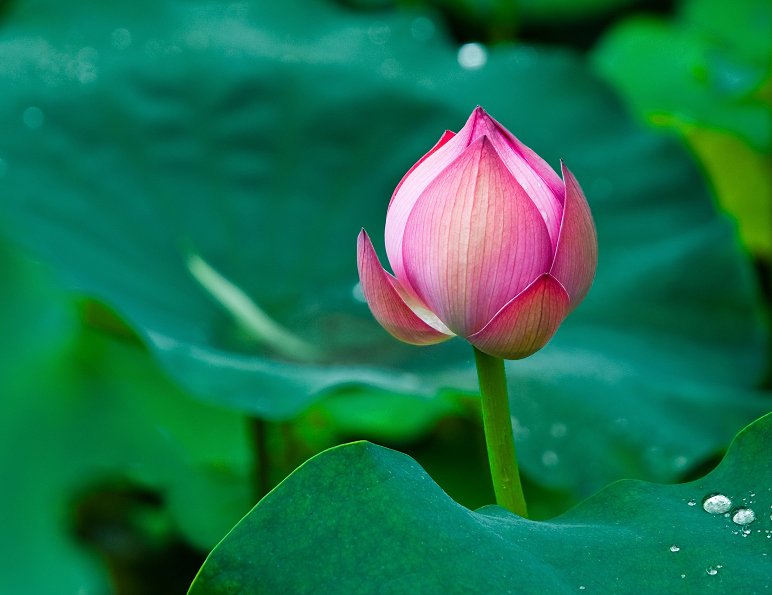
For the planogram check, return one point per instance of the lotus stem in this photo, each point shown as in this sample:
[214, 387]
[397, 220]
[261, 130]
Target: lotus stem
[498, 433]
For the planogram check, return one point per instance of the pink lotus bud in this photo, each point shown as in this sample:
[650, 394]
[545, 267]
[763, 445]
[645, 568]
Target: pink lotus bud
[486, 242]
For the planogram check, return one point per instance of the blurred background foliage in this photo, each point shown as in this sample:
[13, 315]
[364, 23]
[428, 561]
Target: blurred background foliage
[181, 185]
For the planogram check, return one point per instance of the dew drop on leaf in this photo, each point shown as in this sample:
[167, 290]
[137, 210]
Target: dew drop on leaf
[716, 504]
[692, 502]
[558, 430]
[674, 548]
[743, 516]
[711, 571]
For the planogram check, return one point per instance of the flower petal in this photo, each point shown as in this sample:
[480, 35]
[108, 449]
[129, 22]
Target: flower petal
[446, 136]
[383, 296]
[526, 323]
[474, 240]
[410, 188]
[534, 174]
[576, 255]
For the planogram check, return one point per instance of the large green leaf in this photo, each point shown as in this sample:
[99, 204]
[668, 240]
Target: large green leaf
[364, 519]
[79, 411]
[703, 73]
[703, 67]
[742, 179]
[205, 174]
[99, 416]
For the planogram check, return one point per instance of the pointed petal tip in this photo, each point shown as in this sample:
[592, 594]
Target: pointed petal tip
[386, 304]
[446, 136]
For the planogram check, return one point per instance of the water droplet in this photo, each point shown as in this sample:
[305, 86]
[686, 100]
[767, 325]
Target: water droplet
[743, 516]
[683, 576]
[716, 503]
[472, 56]
[520, 433]
[692, 502]
[358, 294]
[121, 39]
[379, 33]
[33, 117]
[391, 68]
[674, 548]
[558, 430]
[549, 458]
[422, 29]
[680, 462]
[711, 571]
[425, 83]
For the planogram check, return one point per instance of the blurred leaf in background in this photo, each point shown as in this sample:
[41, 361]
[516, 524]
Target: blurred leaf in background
[706, 73]
[203, 169]
[81, 411]
[260, 138]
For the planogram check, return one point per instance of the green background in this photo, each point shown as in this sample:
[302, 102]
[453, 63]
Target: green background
[261, 137]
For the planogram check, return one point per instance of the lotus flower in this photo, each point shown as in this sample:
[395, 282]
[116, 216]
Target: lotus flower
[485, 241]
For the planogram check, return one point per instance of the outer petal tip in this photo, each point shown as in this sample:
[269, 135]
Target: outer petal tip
[385, 302]
[446, 136]
[576, 254]
[526, 323]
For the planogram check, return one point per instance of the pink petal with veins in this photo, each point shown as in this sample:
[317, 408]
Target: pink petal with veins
[474, 240]
[410, 188]
[576, 255]
[447, 135]
[525, 324]
[536, 177]
[387, 305]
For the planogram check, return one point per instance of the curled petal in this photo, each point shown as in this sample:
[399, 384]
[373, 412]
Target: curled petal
[387, 305]
[576, 255]
[534, 174]
[526, 323]
[474, 240]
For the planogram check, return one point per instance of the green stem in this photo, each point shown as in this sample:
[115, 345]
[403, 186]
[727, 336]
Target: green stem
[498, 433]
[262, 481]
